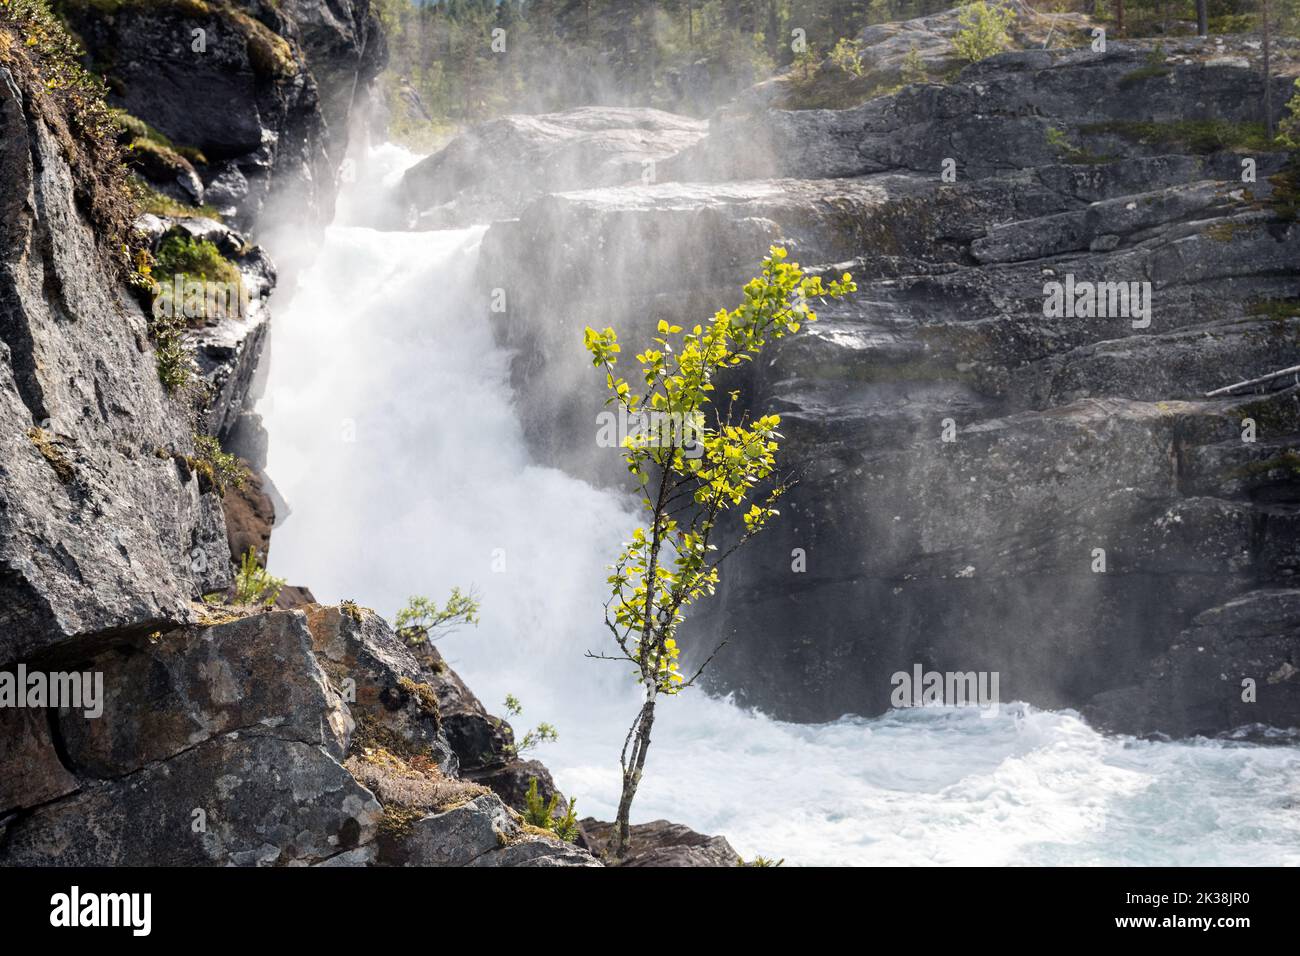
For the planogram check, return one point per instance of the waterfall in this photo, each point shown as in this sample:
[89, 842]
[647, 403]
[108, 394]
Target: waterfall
[394, 439]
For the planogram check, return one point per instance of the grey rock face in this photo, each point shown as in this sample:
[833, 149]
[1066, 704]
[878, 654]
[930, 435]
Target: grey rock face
[660, 843]
[277, 738]
[493, 169]
[1071, 434]
[33, 773]
[256, 676]
[345, 50]
[1234, 667]
[268, 101]
[265, 800]
[392, 695]
[993, 120]
[99, 533]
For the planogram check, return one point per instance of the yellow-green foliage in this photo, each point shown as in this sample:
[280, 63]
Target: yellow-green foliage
[717, 459]
[847, 55]
[422, 620]
[983, 30]
[196, 259]
[253, 585]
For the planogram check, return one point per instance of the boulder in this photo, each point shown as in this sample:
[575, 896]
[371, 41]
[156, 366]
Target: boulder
[1233, 669]
[491, 170]
[480, 832]
[232, 800]
[660, 843]
[395, 706]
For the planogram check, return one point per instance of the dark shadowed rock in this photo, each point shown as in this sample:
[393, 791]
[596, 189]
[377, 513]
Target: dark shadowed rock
[30, 770]
[479, 739]
[661, 843]
[1233, 668]
[257, 675]
[249, 518]
[511, 781]
[264, 801]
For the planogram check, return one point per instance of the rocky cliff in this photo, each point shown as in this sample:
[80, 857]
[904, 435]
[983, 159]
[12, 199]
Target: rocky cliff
[257, 98]
[220, 733]
[985, 485]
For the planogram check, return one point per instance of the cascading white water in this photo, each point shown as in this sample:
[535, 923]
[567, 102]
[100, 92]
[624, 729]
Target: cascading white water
[394, 440]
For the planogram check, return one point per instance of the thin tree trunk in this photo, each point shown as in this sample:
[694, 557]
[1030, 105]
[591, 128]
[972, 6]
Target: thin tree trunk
[1119, 17]
[1202, 18]
[632, 767]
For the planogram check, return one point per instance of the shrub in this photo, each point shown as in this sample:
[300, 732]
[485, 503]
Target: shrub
[983, 31]
[541, 813]
[914, 68]
[847, 55]
[1155, 68]
[220, 468]
[177, 367]
[421, 619]
[543, 733]
[194, 259]
[1288, 133]
[253, 585]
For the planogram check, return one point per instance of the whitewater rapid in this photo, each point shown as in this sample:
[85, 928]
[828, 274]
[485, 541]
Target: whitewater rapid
[394, 439]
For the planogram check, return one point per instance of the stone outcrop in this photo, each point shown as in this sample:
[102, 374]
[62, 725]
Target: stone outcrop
[264, 93]
[660, 843]
[103, 529]
[483, 743]
[268, 738]
[491, 170]
[1070, 434]
[898, 52]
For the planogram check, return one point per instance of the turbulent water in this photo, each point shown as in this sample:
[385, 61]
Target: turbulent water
[395, 441]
